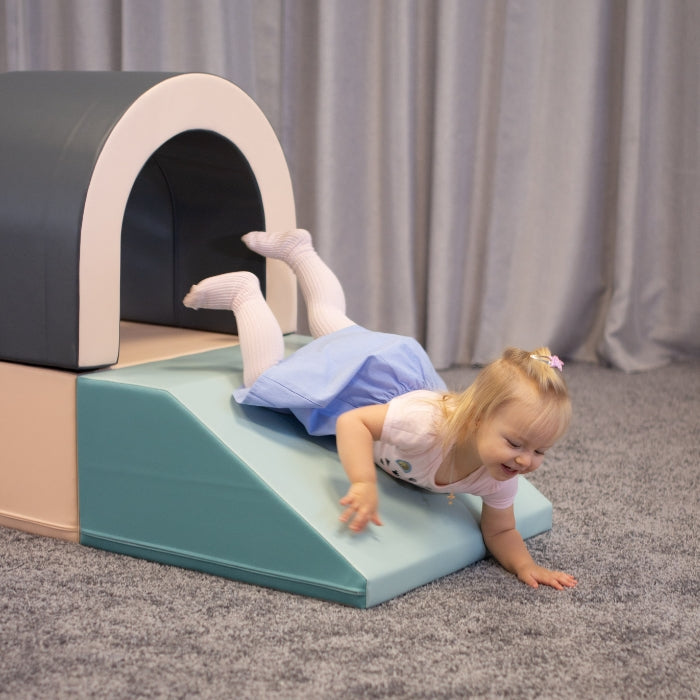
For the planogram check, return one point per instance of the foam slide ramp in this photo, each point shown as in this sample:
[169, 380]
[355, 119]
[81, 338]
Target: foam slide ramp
[171, 469]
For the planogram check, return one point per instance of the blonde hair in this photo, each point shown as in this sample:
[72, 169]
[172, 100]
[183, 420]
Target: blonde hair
[502, 381]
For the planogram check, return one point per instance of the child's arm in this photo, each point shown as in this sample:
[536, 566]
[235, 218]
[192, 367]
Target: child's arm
[356, 432]
[507, 546]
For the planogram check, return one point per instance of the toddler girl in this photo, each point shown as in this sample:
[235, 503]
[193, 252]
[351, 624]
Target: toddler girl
[382, 398]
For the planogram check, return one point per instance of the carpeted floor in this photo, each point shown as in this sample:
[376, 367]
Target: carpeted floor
[625, 483]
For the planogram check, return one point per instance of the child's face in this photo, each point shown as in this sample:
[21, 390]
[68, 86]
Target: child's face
[513, 440]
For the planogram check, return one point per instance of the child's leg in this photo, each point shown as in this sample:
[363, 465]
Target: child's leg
[262, 345]
[324, 297]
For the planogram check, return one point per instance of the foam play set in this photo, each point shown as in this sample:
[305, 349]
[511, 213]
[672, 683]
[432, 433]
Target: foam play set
[117, 426]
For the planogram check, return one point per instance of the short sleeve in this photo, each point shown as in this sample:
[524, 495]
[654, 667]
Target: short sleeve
[410, 423]
[504, 496]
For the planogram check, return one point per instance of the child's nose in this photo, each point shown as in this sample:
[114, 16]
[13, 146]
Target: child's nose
[523, 460]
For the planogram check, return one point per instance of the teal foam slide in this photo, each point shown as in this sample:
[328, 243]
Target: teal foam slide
[172, 470]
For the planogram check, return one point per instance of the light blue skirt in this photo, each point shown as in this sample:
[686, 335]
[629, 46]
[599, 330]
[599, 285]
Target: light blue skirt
[338, 372]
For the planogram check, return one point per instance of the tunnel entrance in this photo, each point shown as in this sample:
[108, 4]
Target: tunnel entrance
[188, 208]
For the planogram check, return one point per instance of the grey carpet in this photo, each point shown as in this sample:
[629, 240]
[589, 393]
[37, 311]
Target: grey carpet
[78, 622]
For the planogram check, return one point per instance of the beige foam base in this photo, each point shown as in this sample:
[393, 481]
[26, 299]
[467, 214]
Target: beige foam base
[38, 455]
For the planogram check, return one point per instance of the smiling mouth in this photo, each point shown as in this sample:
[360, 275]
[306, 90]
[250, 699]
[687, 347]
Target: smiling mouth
[508, 470]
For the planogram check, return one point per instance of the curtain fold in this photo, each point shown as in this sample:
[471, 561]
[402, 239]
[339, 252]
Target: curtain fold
[655, 288]
[478, 172]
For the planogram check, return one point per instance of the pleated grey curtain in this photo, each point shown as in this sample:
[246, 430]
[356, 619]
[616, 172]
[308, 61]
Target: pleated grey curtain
[478, 172]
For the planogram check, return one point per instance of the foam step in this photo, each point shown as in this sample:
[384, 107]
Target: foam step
[171, 469]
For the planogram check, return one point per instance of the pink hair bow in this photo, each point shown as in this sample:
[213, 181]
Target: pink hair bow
[551, 360]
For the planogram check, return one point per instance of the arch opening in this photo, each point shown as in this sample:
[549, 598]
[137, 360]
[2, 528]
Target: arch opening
[188, 208]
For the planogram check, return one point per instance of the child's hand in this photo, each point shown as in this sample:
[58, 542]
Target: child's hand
[533, 575]
[362, 502]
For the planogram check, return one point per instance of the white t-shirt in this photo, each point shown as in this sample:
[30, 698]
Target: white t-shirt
[410, 449]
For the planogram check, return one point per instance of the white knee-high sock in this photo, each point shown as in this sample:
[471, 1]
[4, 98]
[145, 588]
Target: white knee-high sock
[260, 336]
[321, 289]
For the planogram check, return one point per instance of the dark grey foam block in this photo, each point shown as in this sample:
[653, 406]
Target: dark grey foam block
[194, 197]
[52, 127]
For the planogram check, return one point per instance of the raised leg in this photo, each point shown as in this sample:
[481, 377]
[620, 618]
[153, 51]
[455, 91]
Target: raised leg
[260, 336]
[321, 289]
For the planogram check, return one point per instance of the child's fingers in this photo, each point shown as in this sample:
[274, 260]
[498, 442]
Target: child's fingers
[352, 513]
[359, 511]
[556, 579]
[358, 519]
[531, 581]
[364, 518]
[559, 580]
[347, 514]
[567, 580]
[564, 579]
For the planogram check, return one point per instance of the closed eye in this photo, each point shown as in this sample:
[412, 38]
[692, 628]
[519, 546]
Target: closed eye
[518, 446]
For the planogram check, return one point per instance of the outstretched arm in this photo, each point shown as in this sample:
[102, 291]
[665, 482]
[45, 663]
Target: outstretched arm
[356, 432]
[507, 546]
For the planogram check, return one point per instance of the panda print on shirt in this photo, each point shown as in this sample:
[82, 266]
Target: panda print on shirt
[399, 468]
